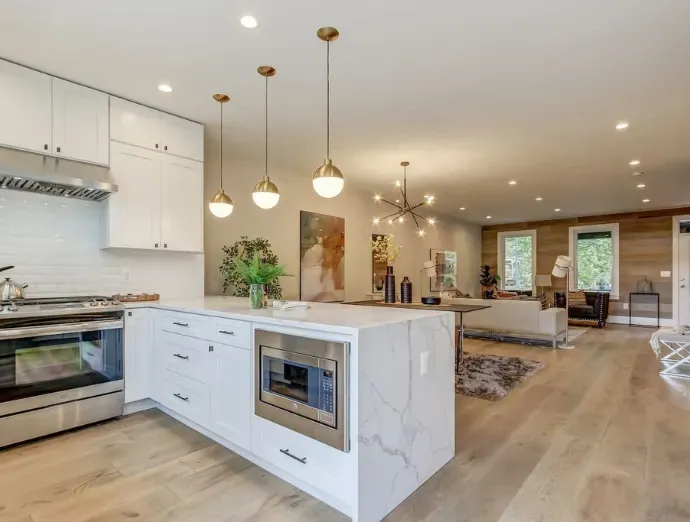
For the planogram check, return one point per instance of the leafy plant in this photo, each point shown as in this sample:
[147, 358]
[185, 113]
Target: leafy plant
[486, 278]
[256, 272]
[385, 250]
[245, 250]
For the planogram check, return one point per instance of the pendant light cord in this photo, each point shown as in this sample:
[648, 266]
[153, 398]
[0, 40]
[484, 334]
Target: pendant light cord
[328, 99]
[266, 129]
[221, 146]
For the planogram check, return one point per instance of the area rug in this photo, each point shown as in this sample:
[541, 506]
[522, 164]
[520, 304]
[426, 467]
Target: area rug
[493, 377]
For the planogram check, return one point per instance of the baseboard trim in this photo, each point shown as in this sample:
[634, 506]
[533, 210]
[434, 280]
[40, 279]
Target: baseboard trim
[137, 406]
[637, 321]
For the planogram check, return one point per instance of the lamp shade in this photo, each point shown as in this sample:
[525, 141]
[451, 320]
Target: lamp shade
[542, 280]
[430, 268]
[561, 267]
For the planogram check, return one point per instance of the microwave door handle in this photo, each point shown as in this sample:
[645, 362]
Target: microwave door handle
[37, 331]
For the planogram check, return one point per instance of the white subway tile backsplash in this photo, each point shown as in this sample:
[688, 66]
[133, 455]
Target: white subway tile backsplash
[54, 245]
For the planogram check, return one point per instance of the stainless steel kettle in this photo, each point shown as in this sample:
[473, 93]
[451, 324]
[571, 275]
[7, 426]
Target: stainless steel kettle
[9, 289]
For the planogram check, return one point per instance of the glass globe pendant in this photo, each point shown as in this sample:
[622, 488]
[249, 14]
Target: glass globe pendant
[265, 193]
[221, 205]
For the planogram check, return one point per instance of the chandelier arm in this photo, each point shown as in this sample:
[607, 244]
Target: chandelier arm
[414, 216]
[393, 215]
[416, 206]
[391, 203]
[404, 196]
[419, 216]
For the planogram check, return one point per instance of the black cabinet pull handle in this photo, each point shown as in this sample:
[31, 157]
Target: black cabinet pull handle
[165, 148]
[58, 149]
[181, 324]
[210, 348]
[45, 147]
[165, 245]
[156, 245]
[287, 452]
[226, 332]
[181, 356]
[156, 145]
[186, 399]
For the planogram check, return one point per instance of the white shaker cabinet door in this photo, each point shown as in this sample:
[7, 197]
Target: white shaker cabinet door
[182, 137]
[135, 124]
[80, 123]
[134, 210]
[182, 204]
[231, 393]
[25, 108]
[138, 343]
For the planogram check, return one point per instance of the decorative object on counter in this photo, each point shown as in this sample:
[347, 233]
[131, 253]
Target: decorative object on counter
[255, 274]
[404, 208]
[328, 181]
[492, 377]
[645, 286]
[322, 257]
[406, 290]
[9, 289]
[136, 298]
[431, 300]
[446, 268]
[384, 250]
[244, 250]
[265, 194]
[290, 305]
[378, 268]
[488, 281]
[221, 204]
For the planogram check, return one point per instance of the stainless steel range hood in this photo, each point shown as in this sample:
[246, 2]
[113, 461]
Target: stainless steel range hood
[20, 170]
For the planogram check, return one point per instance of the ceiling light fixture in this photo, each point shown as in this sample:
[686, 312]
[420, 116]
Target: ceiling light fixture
[538, 199]
[462, 208]
[421, 232]
[512, 182]
[641, 185]
[328, 181]
[404, 208]
[634, 163]
[645, 201]
[249, 21]
[622, 125]
[556, 209]
[164, 87]
[265, 193]
[376, 221]
[637, 173]
[221, 205]
[488, 217]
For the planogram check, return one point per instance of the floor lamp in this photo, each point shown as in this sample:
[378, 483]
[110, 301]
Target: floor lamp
[561, 268]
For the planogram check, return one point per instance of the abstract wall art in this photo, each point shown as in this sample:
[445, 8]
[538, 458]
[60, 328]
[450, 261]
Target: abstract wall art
[322, 257]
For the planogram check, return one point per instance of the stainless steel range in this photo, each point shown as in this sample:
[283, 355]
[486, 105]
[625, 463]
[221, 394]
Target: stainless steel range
[61, 364]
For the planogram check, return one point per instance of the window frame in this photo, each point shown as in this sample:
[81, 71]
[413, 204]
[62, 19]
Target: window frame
[501, 261]
[615, 238]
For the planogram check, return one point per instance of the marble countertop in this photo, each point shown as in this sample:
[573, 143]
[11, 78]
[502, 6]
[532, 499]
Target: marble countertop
[332, 317]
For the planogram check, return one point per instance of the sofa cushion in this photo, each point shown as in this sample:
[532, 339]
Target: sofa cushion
[576, 298]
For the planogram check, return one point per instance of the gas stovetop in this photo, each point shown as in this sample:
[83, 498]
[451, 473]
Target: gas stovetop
[42, 306]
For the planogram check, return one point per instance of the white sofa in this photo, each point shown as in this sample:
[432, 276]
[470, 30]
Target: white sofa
[514, 318]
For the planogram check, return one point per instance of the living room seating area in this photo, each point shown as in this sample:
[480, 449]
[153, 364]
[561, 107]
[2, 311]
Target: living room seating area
[593, 308]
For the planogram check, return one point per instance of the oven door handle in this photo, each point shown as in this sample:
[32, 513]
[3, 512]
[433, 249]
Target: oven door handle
[37, 331]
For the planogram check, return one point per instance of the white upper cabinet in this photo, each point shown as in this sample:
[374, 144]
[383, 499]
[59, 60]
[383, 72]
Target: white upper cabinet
[25, 108]
[80, 123]
[134, 124]
[134, 210]
[138, 125]
[182, 204]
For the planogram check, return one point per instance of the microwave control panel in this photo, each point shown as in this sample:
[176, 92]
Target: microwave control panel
[326, 397]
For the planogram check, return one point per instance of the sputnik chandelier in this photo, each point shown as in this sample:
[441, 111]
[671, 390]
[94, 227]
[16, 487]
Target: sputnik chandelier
[403, 207]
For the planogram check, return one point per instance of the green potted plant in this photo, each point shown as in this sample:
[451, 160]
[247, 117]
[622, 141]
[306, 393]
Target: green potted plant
[488, 281]
[256, 273]
[245, 249]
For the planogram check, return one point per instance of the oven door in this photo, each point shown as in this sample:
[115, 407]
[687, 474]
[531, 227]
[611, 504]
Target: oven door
[42, 359]
[300, 384]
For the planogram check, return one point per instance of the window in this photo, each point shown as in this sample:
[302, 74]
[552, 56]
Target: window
[517, 260]
[594, 251]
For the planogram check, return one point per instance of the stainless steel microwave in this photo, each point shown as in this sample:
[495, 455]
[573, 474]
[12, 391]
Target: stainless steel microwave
[302, 384]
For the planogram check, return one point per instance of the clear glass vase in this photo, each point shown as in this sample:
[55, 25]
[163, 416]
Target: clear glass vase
[256, 295]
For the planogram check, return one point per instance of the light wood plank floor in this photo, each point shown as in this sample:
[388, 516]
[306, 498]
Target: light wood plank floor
[597, 435]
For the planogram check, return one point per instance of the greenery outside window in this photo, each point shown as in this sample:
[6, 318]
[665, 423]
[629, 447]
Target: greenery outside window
[594, 251]
[517, 260]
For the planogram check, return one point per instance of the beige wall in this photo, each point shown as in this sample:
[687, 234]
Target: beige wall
[280, 226]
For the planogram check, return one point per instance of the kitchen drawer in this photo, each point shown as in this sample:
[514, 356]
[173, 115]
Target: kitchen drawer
[321, 466]
[186, 324]
[185, 355]
[230, 331]
[189, 398]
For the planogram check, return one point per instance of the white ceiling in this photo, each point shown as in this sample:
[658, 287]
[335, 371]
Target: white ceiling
[473, 93]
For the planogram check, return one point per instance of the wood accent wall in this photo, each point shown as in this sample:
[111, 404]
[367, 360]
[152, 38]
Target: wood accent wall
[645, 243]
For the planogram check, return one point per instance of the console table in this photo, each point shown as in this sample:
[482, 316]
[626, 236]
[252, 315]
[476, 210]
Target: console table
[655, 295]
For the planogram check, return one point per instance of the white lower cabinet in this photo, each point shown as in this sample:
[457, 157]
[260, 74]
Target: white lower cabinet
[231, 397]
[138, 349]
[182, 395]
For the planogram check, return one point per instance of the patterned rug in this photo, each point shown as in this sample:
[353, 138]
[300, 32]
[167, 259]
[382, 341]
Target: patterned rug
[492, 377]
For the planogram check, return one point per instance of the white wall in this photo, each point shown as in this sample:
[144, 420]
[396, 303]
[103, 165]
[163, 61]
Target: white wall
[280, 226]
[54, 245]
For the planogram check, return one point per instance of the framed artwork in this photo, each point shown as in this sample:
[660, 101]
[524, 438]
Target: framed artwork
[378, 270]
[322, 258]
[446, 264]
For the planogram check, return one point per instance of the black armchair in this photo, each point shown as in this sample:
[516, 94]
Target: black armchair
[596, 309]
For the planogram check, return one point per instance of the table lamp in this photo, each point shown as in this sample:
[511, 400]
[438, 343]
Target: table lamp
[561, 268]
[541, 281]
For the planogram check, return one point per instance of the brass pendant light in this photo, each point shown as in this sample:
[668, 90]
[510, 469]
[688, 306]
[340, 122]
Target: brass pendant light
[328, 181]
[221, 205]
[265, 193]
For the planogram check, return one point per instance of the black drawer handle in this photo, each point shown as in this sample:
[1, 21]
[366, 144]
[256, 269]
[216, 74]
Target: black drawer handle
[287, 452]
[181, 324]
[226, 332]
[181, 356]
[186, 399]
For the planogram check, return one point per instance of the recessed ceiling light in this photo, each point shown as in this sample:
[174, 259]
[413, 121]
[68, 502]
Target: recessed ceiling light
[249, 22]
[637, 173]
[556, 209]
[512, 182]
[634, 163]
[622, 125]
[462, 208]
[164, 87]
[645, 201]
[488, 217]
[538, 199]
[641, 185]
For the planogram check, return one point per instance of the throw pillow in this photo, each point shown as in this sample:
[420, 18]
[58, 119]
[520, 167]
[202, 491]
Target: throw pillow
[544, 302]
[577, 298]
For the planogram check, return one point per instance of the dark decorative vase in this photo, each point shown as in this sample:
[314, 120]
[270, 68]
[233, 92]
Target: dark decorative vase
[390, 285]
[406, 290]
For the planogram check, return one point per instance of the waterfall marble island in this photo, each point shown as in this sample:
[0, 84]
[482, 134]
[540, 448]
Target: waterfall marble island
[353, 405]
